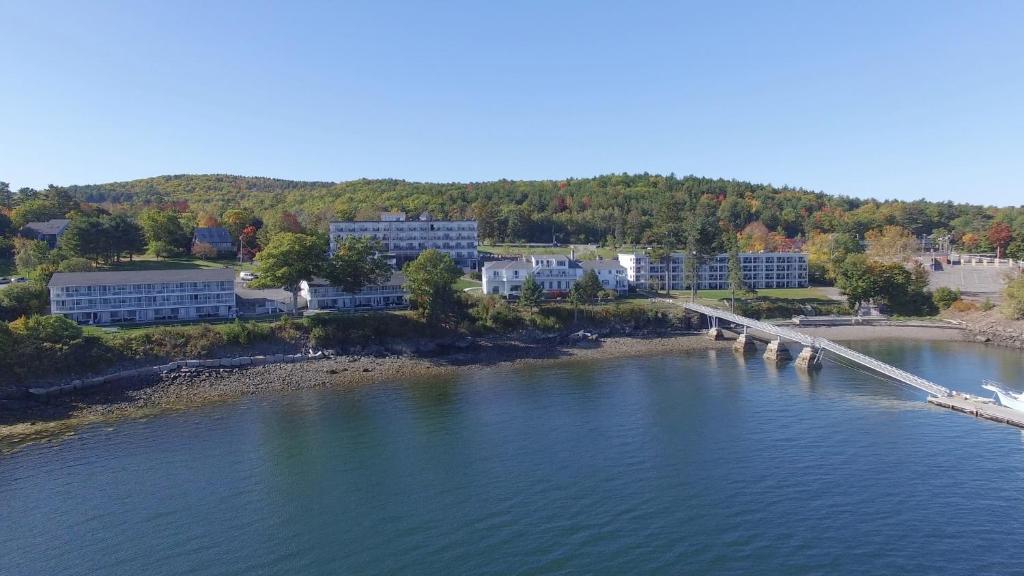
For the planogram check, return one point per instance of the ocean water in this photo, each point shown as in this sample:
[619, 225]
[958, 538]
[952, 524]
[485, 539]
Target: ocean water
[699, 463]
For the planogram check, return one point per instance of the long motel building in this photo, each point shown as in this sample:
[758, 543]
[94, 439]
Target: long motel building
[405, 239]
[760, 270]
[143, 296]
[320, 295]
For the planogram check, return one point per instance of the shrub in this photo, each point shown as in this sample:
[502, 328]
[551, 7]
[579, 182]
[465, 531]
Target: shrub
[1015, 299]
[244, 333]
[945, 297]
[75, 265]
[963, 306]
[46, 329]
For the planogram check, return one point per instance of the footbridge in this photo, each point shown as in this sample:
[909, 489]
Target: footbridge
[814, 346]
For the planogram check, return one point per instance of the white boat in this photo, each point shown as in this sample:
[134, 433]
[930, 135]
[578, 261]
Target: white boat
[1006, 398]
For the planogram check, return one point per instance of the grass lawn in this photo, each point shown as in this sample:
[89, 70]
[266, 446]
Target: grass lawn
[148, 262]
[467, 282]
[607, 253]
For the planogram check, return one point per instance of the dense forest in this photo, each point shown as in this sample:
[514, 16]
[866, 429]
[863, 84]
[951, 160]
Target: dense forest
[613, 209]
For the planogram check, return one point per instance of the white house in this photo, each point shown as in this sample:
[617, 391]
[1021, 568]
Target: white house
[320, 295]
[556, 274]
[404, 239]
[143, 296]
[760, 270]
[611, 274]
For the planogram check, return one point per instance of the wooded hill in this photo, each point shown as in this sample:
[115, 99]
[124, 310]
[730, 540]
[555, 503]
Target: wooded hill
[619, 208]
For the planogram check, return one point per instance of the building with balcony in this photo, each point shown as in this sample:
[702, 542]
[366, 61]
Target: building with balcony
[404, 239]
[760, 270]
[320, 295]
[611, 274]
[556, 274]
[143, 296]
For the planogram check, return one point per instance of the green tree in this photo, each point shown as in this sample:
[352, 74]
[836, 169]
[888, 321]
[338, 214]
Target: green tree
[6, 196]
[287, 260]
[1014, 296]
[735, 271]
[357, 262]
[25, 299]
[577, 299]
[856, 280]
[430, 280]
[29, 254]
[127, 237]
[35, 210]
[531, 293]
[164, 233]
[589, 286]
[87, 237]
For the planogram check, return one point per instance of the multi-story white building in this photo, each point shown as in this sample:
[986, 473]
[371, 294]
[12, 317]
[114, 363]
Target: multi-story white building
[760, 270]
[404, 239]
[143, 296]
[555, 273]
[320, 295]
[611, 274]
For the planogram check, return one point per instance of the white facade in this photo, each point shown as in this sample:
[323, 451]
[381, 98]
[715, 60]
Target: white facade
[320, 295]
[556, 274]
[143, 296]
[611, 274]
[405, 239]
[760, 270]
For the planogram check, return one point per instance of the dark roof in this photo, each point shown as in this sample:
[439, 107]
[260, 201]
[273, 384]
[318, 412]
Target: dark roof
[55, 226]
[396, 278]
[141, 277]
[212, 236]
[602, 265]
[507, 264]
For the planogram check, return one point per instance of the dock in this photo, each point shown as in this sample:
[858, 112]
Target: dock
[981, 408]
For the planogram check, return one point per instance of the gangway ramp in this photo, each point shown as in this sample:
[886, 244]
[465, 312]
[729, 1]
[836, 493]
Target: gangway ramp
[821, 344]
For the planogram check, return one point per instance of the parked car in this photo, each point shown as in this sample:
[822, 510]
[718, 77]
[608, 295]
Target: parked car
[19, 279]
[5, 280]
[247, 276]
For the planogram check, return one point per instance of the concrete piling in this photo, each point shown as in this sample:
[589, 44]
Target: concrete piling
[808, 359]
[744, 345]
[777, 352]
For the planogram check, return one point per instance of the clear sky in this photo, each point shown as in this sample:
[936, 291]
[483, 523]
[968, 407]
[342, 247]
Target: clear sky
[884, 99]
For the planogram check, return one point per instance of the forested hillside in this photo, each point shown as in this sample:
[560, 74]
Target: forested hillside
[622, 209]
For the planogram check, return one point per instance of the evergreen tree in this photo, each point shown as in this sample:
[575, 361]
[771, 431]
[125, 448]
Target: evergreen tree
[531, 293]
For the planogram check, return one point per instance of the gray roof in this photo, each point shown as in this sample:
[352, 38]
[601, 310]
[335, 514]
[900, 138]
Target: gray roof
[508, 265]
[141, 277]
[55, 226]
[212, 235]
[396, 278]
[602, 265]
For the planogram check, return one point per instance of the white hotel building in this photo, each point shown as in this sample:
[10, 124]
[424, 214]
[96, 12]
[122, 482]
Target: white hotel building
[320, 295]
[143, 296]
[760, 270]
[404, 239]
[555, 273]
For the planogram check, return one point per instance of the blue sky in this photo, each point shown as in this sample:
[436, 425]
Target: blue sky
[881, 99]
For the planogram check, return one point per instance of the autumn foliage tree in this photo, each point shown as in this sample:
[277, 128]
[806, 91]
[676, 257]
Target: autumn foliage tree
[1000, 235]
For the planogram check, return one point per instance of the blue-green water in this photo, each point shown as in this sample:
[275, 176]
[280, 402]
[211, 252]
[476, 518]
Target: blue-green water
[697, 463]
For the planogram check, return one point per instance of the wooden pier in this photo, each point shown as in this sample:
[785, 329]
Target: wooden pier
[981, 408]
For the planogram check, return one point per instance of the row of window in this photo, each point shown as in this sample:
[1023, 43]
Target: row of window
[162, 288]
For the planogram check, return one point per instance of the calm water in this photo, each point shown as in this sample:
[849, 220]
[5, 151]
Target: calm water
[700, 463]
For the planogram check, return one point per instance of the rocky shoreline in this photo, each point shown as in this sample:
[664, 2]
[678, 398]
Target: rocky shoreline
[186, 388]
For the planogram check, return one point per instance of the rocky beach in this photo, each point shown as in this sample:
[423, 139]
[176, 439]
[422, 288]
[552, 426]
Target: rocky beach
[35, 419]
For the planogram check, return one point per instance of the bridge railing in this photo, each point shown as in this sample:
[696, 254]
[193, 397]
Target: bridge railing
[821, 343]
